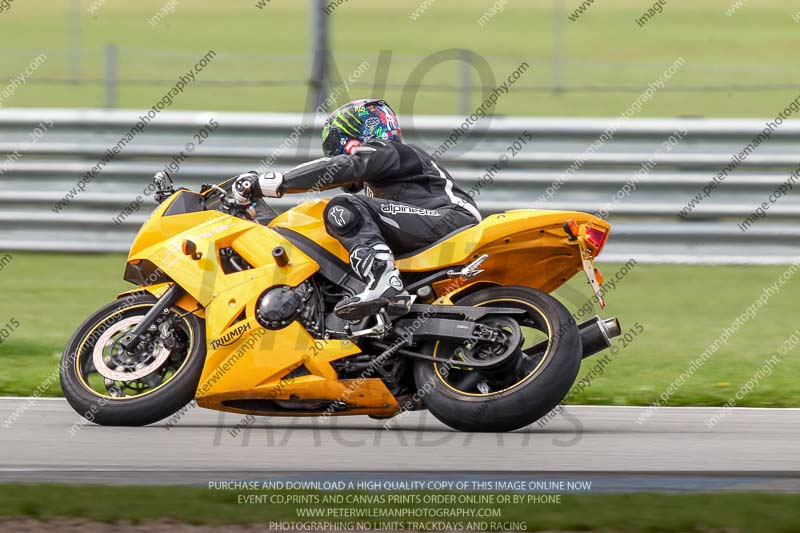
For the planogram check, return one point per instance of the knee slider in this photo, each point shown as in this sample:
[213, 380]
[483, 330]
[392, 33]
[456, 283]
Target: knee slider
[342, 217]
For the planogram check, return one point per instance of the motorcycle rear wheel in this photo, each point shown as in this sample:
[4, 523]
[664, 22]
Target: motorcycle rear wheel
[137, 390]
[468, 399]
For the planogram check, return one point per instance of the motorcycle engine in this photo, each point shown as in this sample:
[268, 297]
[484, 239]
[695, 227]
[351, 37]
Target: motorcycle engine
[280, 306]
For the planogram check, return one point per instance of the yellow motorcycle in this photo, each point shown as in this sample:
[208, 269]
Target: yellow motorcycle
[233, 307]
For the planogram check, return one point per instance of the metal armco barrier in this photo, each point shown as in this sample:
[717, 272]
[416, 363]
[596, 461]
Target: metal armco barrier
[37, 170]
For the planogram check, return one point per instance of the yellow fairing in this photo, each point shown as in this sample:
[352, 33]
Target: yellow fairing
[245, 362]
[526, 247]
[307, 218]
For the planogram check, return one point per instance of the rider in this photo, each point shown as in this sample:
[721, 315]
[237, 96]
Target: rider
[410, 201]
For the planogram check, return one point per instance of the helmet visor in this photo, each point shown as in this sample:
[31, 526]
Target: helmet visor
[332, 144]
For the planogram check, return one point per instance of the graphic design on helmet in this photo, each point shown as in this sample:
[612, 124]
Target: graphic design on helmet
[359, 122]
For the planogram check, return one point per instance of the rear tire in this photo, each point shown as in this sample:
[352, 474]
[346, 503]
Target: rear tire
[83, 386]
[547, 378]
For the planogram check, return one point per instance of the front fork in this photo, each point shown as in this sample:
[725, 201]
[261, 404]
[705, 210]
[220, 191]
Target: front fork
[130, 343]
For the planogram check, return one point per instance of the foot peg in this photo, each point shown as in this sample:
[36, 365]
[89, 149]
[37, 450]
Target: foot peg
[394, 308]
[469, 271]
[354, 310]
[380, 328]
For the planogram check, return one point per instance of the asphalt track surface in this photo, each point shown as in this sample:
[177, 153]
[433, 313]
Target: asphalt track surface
[674, 449]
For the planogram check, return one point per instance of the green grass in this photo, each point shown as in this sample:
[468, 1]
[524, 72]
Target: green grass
[765, 513]
[49, 295]
[604, 48]
[682, 310]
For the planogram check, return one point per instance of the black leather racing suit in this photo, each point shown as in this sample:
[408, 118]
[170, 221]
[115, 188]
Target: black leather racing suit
[410, 201]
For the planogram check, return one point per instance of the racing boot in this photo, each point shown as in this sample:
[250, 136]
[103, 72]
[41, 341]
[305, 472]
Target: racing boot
[384, 290]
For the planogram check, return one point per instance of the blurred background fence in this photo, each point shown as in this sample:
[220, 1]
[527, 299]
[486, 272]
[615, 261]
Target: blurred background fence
[461, 75]
[109, 73]
[38, 172]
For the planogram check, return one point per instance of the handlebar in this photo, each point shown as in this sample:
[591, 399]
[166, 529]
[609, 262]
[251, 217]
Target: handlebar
[165, 188]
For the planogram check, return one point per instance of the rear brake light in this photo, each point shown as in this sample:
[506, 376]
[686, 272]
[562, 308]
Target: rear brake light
[597, 238]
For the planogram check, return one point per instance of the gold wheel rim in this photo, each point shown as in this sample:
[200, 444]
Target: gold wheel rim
[80, 350]
[521, 381]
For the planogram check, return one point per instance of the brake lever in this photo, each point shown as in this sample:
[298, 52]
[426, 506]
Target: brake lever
[220, 190]
[247, 212]
[232, 207]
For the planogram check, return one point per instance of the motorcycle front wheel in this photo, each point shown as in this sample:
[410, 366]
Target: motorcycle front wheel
[547, 353]
[109, 386]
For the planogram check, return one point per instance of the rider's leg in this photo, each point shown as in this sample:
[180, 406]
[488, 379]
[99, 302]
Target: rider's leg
[365, 226]
[353, 224]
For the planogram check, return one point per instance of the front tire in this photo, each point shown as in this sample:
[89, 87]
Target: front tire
[469, 400]
[138, 389]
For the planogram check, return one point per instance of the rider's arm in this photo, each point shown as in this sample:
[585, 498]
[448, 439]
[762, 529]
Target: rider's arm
[372, 161]
[375, 160]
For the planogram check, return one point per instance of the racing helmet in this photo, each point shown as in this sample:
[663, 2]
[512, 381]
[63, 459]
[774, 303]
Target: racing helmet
[356, 123]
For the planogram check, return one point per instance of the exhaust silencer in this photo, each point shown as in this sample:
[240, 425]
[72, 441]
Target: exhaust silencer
[596, 334]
